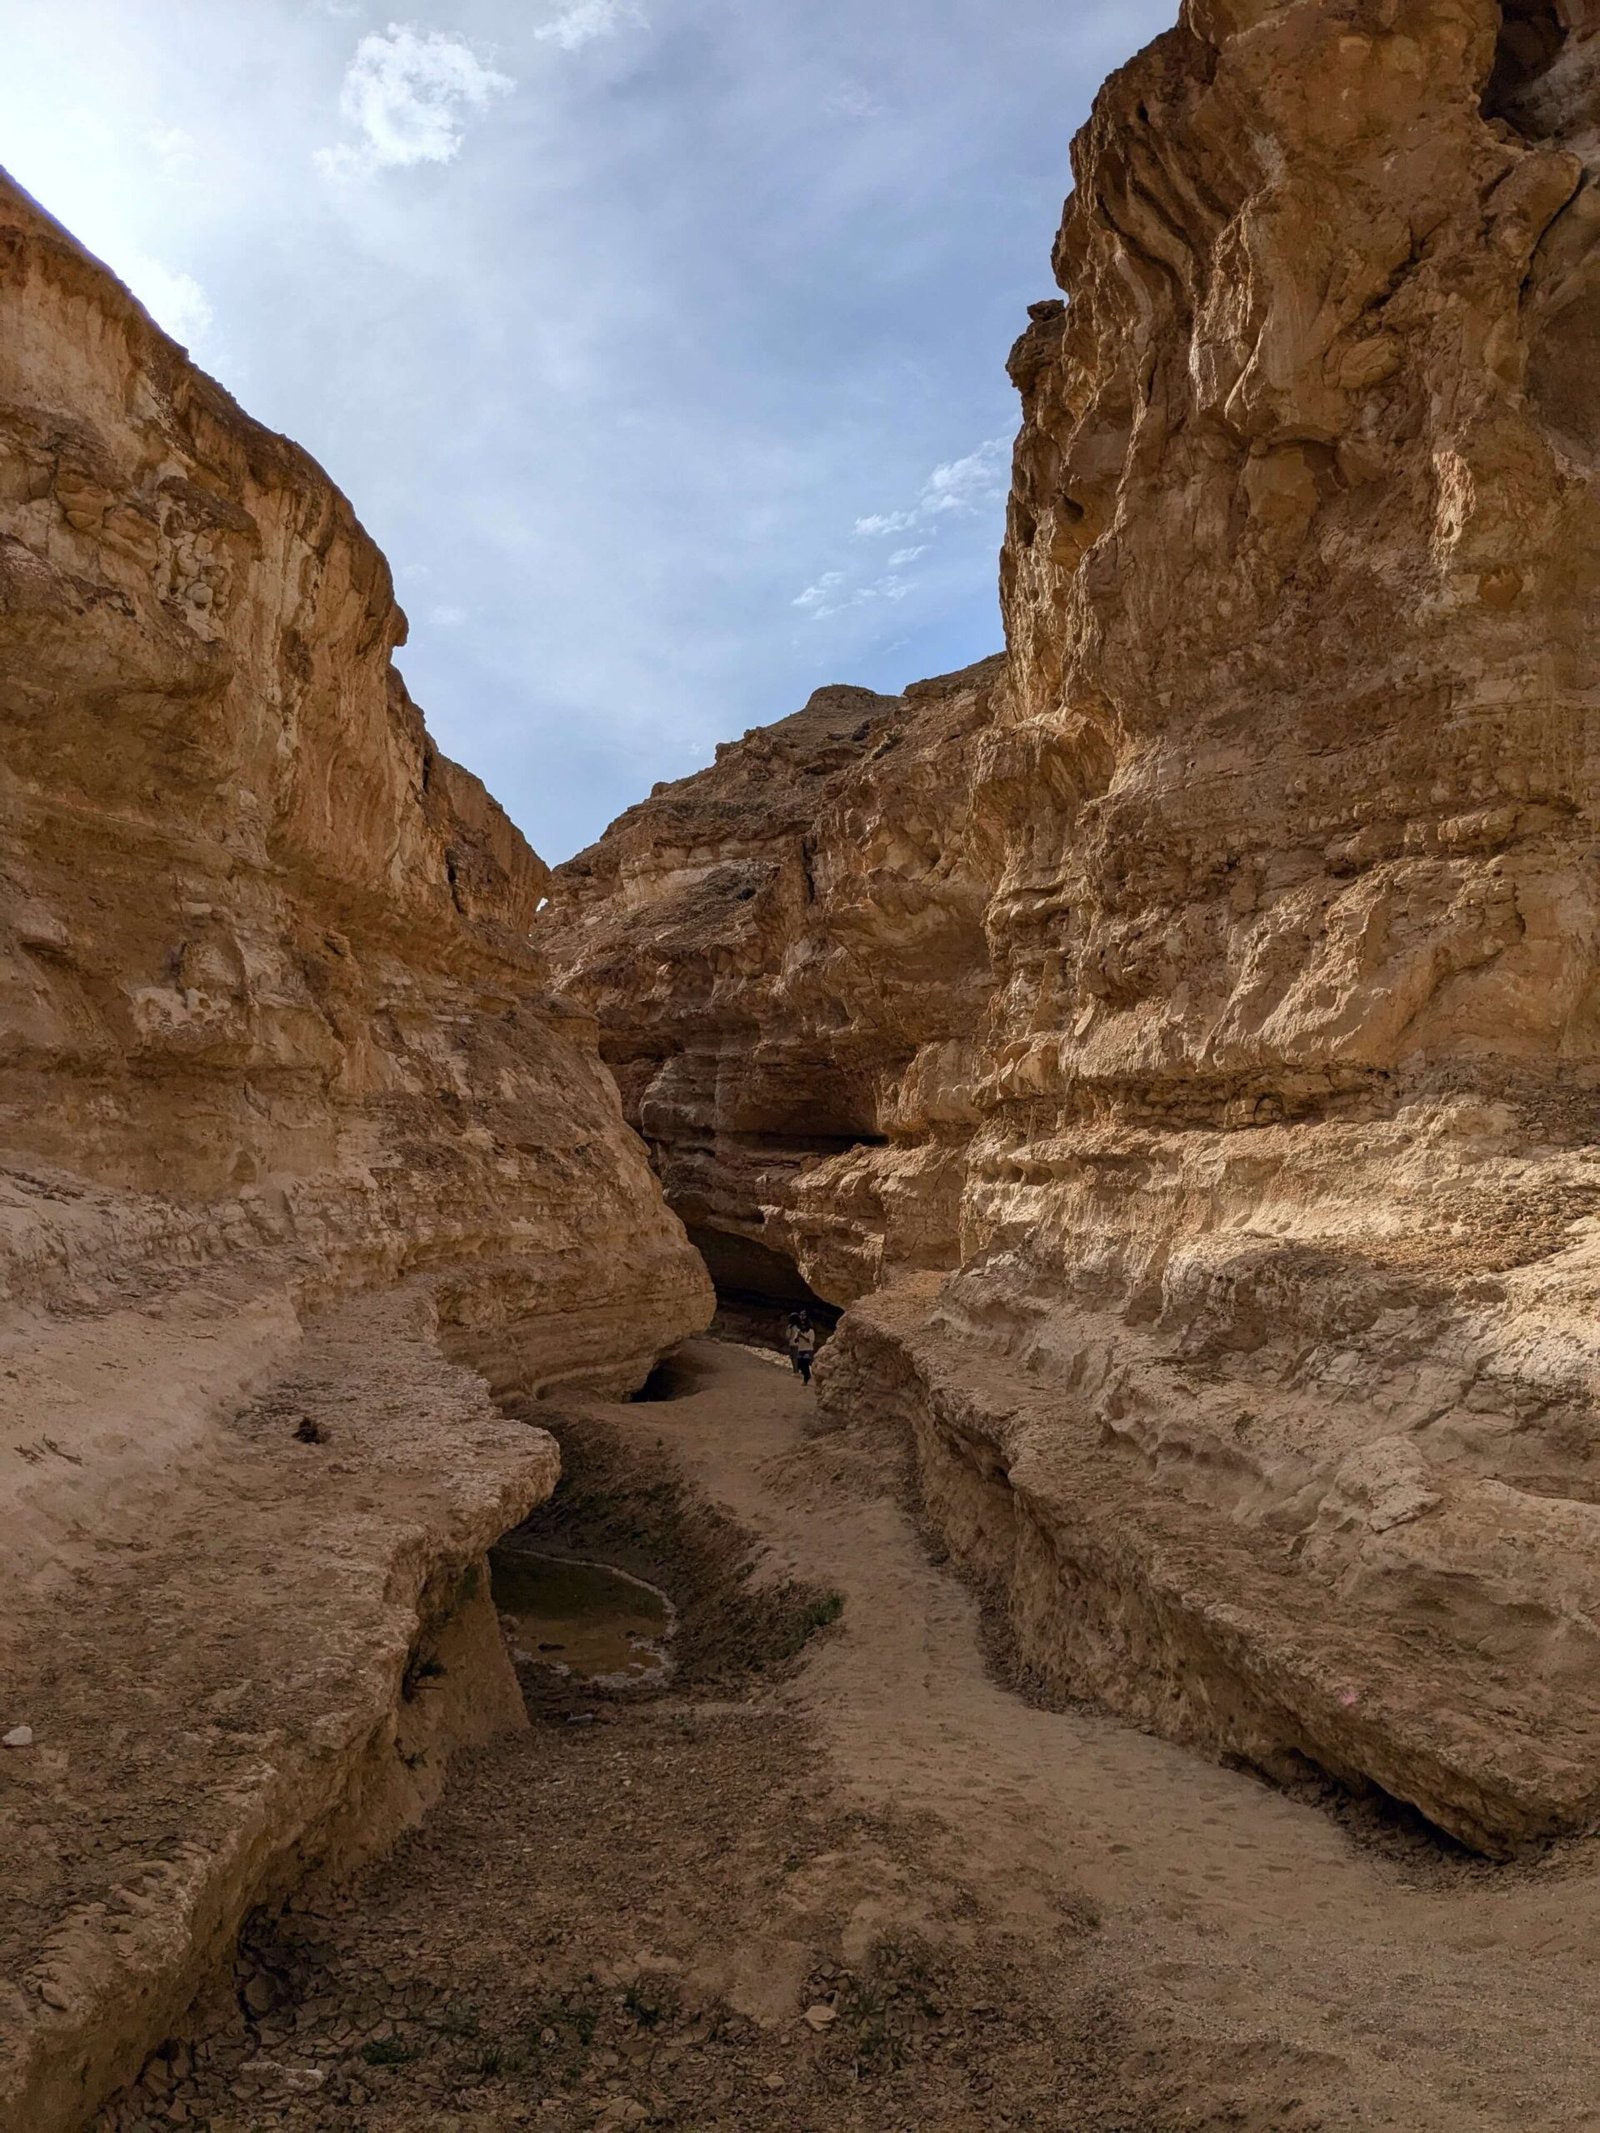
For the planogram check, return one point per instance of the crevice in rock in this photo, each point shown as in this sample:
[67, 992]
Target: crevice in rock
[745, 1271]
[1532, 34]
[673, 1378]
[790, 1143]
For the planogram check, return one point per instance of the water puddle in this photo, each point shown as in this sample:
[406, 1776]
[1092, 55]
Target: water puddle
[583, 1621]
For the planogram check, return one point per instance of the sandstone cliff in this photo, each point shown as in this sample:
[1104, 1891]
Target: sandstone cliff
[771, 948]
[1180, 1045]
[291, 1131]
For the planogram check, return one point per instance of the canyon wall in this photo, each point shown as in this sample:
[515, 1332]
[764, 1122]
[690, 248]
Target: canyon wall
[299, 1161]
[1178, 1042]
[785, 955]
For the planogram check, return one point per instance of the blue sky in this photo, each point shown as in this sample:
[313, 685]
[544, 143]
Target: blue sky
[661, 345]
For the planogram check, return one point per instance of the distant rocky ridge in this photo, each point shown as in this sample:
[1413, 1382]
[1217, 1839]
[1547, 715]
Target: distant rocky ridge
[299, 1160]
[1177, 1042]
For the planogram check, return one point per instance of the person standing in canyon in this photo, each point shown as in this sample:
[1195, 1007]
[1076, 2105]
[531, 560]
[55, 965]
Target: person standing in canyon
[801, 1339]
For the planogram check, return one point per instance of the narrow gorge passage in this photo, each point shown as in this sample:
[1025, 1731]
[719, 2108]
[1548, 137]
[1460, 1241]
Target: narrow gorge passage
[879, 1890]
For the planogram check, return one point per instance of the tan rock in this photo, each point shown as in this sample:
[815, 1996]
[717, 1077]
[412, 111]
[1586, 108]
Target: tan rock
[781, 953]
[1181, 1048]
[290, 1135]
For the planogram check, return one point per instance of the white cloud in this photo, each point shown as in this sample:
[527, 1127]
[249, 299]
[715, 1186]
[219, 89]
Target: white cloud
[405, 95]
[965, 484]
[959, 485]
[885, 522]
[447, 618]
[175, 300]
[825, 598]
[890, 588]
[585, 20]
[956, 488]
[819, 597]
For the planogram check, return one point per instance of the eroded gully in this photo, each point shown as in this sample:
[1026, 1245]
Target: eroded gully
[879, 1889]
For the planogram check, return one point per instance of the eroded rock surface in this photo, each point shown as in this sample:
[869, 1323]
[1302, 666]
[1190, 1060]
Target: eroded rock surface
[787, 959]
[1214, 985]
[289, 1128]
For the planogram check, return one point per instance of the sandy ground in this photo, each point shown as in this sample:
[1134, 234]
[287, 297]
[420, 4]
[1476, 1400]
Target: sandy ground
[1007, 1916]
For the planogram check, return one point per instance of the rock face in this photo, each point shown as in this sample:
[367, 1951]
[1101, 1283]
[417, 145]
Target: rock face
[265, 950]
[1215, 984]
[291, 1131]
[781, 952]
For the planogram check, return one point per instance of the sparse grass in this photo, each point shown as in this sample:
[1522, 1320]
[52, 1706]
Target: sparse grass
[390, 2051]
[809, 1617]
[460, 2019]
[650, 2001]
[496, 2060]
[561, 2031]
[880, 2010]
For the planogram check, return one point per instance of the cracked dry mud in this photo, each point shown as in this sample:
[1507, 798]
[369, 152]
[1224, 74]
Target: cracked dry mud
[875, 1888]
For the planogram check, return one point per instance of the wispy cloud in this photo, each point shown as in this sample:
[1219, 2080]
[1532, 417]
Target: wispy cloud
[956, 488]
[406, 95]
[886, 522]
[820, 597]
[585, 20]
[958, 485]
[829, 596]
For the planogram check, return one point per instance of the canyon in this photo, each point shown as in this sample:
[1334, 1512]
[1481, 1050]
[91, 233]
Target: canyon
[1154, 1683]
[1176, 1042]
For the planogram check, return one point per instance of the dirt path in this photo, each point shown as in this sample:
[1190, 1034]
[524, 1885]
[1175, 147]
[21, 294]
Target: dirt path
[1016, 1917]
[1466, 2005]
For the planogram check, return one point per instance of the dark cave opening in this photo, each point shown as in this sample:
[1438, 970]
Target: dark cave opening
[758, 1287]
[1532, 34]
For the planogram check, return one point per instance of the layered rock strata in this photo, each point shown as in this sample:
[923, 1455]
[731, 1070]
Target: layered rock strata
[287, 1116]
[1226, 1235]
[786, 958]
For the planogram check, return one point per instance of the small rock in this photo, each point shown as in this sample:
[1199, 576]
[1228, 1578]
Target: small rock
[821, 2015]
[53, 1996]
[18, 1737]
[259, 1996]
[775, 2082]
[297, 2080]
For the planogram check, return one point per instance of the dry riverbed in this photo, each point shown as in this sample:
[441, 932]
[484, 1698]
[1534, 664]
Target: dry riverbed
[833, 1874]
